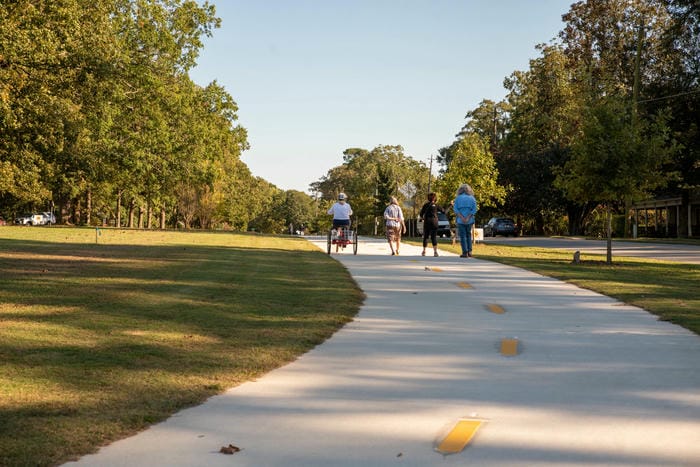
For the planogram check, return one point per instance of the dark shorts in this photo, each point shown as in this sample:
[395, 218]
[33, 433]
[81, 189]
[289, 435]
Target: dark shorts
[341, 223]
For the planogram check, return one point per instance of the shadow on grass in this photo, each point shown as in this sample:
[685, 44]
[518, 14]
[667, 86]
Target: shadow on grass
[116, 337]
[666, 289]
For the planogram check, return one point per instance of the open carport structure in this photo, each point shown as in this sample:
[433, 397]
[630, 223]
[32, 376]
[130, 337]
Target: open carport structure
[668, 217]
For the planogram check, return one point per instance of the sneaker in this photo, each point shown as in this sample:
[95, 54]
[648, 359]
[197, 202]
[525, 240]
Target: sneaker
[436, 254]
[463, 256]
[469, 254]
[393, 254]
[423, 253]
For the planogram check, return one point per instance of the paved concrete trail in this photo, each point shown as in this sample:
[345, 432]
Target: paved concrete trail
[594, 382]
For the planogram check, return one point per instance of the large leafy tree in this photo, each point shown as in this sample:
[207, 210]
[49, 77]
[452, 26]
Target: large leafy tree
[679, 91]
[639, 52]
[39, 116]
[299, 209]
[472, 162]
[602, 36]
[617, 158]
[97, 110]
[544, 121]
[489, 120]
[610, 49]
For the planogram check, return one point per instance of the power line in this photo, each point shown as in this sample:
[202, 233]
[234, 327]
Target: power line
[670, 97]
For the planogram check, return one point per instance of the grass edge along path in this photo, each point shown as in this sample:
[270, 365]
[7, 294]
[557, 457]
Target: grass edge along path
[666, 289]
[103, 333]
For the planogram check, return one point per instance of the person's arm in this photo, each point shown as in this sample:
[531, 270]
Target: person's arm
[457, 206]
[387, 215]
[472, 211]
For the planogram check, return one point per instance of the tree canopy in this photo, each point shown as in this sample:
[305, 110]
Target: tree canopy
[99, 117]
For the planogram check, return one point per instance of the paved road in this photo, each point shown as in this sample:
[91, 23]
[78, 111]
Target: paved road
[668, 252]
[594, 382]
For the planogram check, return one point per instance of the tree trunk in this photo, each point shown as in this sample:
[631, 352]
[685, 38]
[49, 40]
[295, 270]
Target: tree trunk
[118, 222]
[609, 229]
[88, 206]
[77, 212]
[539, 224]
[162, 217]
[577, 213]
[148, 214]
[132, 207]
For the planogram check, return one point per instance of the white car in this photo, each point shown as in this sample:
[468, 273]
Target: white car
[30, 219]
[443, 226]
[49, 218]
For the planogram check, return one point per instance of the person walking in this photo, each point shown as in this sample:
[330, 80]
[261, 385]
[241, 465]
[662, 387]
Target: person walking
[465, 208]
[341, 212]
[395, 226]
[429, 215]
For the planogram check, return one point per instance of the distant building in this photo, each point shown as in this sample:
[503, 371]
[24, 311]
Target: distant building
[677, 217]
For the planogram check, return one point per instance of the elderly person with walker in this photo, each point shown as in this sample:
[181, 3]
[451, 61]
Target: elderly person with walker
[465, 208]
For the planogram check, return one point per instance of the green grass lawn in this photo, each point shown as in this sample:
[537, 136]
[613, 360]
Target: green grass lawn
[103, 333]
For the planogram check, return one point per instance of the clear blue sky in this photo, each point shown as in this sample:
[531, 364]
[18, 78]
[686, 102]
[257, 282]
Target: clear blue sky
[314, 77]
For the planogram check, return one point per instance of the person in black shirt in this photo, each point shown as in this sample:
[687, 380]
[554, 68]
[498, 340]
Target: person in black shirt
[429, 214]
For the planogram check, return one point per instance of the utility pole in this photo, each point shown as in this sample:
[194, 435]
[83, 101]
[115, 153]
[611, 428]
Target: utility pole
[635, 102]
[430, 172]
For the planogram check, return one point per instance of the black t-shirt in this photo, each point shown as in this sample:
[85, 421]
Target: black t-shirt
[429, 213]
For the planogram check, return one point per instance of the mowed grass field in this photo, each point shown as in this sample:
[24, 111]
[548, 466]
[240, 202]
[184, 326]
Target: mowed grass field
[103, 333]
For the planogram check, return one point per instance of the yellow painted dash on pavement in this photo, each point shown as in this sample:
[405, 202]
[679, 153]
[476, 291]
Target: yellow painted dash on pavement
[458, 438]
[509, 347]
[428, 268]
[494, 308]
[464, 285]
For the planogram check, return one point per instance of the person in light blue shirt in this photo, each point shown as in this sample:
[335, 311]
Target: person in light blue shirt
[465, 208]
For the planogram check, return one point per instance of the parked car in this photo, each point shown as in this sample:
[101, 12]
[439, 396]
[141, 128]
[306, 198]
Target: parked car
[443, 226]
[500, 226]
[49, 218]
[30, 219]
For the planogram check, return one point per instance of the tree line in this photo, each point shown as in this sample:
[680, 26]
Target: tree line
[100, 122]
[606, 115]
